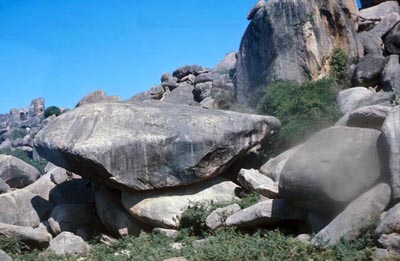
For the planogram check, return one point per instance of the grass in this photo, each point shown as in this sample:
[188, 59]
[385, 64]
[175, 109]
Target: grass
[226, 244]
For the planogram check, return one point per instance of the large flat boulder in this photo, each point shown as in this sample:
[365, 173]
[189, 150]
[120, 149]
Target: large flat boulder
[16, 173]
[150, 145]
[391, 138]
[164, 208]
[331, 169]
[356, 218]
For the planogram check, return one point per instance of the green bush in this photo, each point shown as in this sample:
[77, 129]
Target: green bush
[18, 134]
[339, 66]
[22, 155]
[52, 110]
[303, 109]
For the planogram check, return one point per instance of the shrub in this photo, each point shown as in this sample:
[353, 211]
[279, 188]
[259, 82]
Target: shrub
[18, 134]
[303, 109]
[52, 110]
[339, 66]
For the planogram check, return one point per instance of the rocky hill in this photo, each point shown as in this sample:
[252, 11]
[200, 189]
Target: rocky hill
[118, 168]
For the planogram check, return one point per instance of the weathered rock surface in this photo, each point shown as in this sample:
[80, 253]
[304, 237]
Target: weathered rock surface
[16, 173]
[385, 25]
[42, 187]
[372, 43]
[325, 174]
[371, 117]
[252, 180]
[3, 186]
[217, 218]
[37, 107]
[23, 208]
[67, 243]
[350, 99]
[391, 138]
[150, 145]
[97, 96]
[181, 95]
[377, 12]
[72, 217]
[390, 77]
[4, 256]
[390, 223]
[391, 243]
[367, 71]
[292, 40]
[115, 218]
[356, 217]
[28, 235]
[164, 208]
[392, 40]
[273, 167]
[268, 212]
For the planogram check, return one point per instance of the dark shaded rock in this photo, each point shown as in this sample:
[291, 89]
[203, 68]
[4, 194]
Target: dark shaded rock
[266, 213]
[76, 191]
[391, 139]
[204, 77]
[156, 92]
[168, 81]
[291, 40]
[115, 218]
[260, 5]
[150, 145]
[28, 235]
[390, 77]
[16, 173]
[392, 40]
[356, 218]
[367, 71]
[325, 173]
[370, 3]
[74, 217]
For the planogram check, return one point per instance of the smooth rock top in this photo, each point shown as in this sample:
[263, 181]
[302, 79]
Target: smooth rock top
[97, 96]
[150, 145]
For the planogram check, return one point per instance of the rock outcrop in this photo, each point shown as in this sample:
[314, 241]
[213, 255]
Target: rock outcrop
[292, 40]
[150, 145]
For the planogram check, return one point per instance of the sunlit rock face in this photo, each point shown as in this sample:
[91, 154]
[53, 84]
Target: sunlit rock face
[150, 145]
[293, 40]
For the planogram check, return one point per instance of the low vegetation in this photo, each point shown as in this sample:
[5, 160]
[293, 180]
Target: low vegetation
[303, 109]
[339, 66]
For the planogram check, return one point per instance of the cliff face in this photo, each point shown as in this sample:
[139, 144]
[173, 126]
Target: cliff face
[293, 40]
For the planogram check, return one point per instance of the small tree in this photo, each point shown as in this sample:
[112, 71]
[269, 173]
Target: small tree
[339, 66]
[52, 110]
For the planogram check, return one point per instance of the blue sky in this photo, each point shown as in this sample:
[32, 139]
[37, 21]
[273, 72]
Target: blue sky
[63, 49]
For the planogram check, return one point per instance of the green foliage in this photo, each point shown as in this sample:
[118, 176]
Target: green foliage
[22, 155]
[52, 110]
[18, 134]
[249, 199]
[339, 66]
[303, 109]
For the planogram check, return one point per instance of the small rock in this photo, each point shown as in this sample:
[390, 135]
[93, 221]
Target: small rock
[217, 218]
[67, 243]
[30, 236]
[4, 188]
[170, 233]
[371, 117]
[391, 242]
[390, 222]
[200, 242]
[269, 212]
[177, 246]
[16, 173]
[180, 258]
[58, 175]
[350, 99]
[252, 180]
[304, 238]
